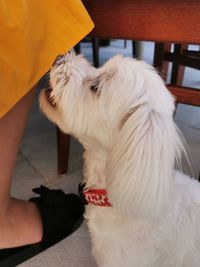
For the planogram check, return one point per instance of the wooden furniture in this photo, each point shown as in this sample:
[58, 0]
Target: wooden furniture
[181, 57]
[163, 22]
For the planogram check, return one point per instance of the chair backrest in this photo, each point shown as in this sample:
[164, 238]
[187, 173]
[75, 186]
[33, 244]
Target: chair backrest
[164, 21]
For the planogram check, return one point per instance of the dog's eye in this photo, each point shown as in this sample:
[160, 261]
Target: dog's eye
[94, 86]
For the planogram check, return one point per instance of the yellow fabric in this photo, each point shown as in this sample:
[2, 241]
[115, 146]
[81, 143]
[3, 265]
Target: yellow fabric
[32, 34]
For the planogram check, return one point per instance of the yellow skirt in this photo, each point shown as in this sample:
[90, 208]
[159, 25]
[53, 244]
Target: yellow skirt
[32, 34]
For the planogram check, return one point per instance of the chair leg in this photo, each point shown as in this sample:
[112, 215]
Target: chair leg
[125, 43]
[134, 49]
[77, 48]
[178, 70]
[63, 148]
[95, 50]
[159, 63]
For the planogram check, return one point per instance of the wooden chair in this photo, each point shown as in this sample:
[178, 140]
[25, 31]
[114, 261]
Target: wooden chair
[181, 57]
[163, 22]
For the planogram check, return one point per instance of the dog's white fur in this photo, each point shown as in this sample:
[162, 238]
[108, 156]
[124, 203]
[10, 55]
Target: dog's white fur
[122, 114]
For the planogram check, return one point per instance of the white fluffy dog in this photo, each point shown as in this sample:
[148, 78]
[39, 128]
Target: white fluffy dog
[122, 114]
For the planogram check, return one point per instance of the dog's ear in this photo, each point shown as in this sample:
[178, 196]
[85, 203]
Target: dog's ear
[140, 165]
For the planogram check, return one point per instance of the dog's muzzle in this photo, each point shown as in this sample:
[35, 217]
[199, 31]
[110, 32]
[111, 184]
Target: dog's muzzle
[49, 98]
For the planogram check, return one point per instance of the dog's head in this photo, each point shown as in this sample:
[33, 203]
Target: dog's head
[124, 108]
[95, 103]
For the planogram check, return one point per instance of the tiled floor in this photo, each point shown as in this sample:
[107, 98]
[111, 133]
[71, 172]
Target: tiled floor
[36, 163]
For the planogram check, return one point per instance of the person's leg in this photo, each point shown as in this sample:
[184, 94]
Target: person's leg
[20, 221]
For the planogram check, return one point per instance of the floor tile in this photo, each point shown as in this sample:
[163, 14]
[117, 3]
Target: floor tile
[78, 249]
[197, 126]
[117, 47]
[41, 150]
[55, 256]
[74, 251]
[69, 183]
[25, 179]
[38, 124]
[192, 78]
[189, 115]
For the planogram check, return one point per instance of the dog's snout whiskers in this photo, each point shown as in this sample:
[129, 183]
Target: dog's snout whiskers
[49, 98]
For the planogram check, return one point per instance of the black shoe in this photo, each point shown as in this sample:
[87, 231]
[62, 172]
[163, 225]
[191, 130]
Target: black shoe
[61, 215]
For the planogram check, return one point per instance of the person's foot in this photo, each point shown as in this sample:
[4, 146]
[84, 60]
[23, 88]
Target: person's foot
[20, 224]
[28, 228]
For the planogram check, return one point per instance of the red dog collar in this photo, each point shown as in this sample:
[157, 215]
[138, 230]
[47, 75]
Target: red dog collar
[96, 197]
